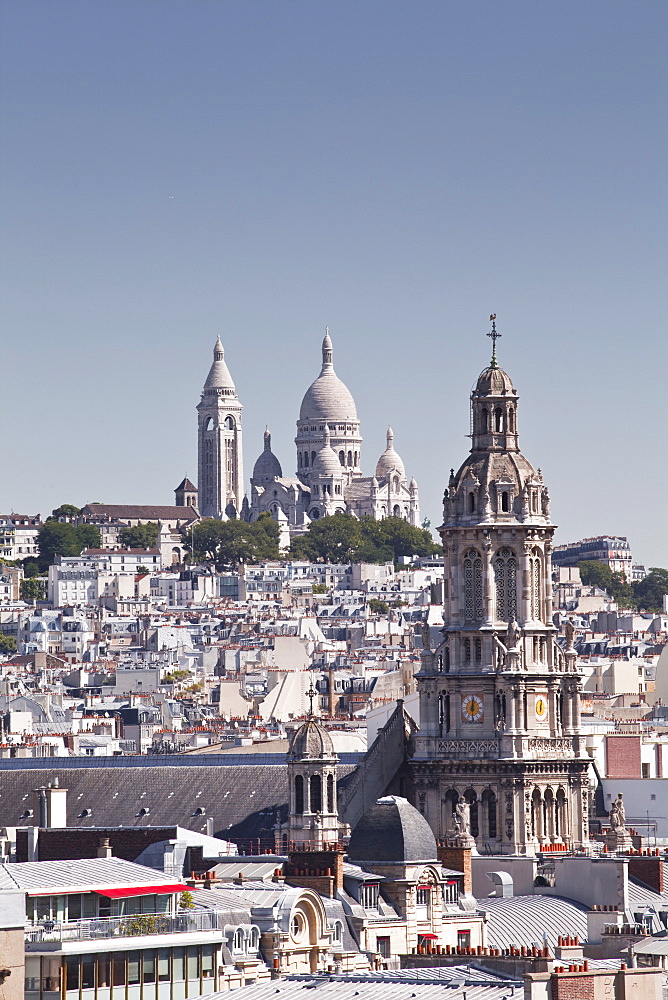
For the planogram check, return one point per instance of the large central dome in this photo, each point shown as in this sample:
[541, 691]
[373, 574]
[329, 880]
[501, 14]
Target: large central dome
[328, 398]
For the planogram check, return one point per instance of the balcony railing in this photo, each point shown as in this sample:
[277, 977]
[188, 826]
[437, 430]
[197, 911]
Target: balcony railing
[140, 925]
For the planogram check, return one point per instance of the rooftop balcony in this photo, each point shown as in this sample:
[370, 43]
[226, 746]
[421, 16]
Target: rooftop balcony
[52, 933]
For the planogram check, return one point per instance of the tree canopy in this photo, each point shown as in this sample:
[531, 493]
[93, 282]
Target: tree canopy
[7, 643]
[228, 543]
[643, 595]
[65, 510]
[61, 538]
[142, 536]
[343, 538]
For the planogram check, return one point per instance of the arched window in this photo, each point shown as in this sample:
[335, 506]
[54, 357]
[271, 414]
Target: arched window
[229, 423]
[357, 458]
[478, 650]
[306, 460]
[534, 502]
[208, 424]
[254, 940]
[312, 457]
[561, 815]
[314, 514]
[505, 502]
[299, 458]
[485, 420]
[299, 794]
[397, 510]
[489, 814]
[342, 457]
[471, 502]
[511, 419]
[350, 458]
[535, 585]
[239, 939]
[443, 713]
[498, 420]
[473, 605]
[316, 793]
[395, 484]
[330, 793]
[337, 933]
[505, 578]
[315, 490]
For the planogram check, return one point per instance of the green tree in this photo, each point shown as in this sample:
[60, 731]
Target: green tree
[30, 568]
[57, 538]
[228, 543]
[88, 536]
[32, 590]
[331, 539]
[65, 510]
[7, 643]
[596, 574]
[142, 536]
[377, 607]
[319, 588]
[648, 593]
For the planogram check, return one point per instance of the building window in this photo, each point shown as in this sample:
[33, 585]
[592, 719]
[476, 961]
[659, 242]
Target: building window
[299, 794]
[451, 892]
[473, 604]
[463, 939]
[505, 578]
[369, 895]
[423, 895]
[383, 947]
[330, 793]
[535, 586]
[316, 793]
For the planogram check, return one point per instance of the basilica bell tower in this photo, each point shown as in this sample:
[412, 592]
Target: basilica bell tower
[219, 454]
[499, 698]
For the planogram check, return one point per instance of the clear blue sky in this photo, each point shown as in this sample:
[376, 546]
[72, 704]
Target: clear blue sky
[175, 170]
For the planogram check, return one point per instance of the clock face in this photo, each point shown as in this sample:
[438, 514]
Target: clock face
[541, 707]
[472, 708]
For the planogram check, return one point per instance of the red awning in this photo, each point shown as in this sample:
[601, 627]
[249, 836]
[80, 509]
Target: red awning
[429, 937]
[143, 890]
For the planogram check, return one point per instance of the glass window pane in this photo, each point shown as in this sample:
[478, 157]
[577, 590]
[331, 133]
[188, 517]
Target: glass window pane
[119, 968]
[88, 972]
[103, 971]
[179, 963]
[149, 966]
[207, 960]
[133, 967]
[51, 974]
[72, 969]
[163, 965]
[74, 907]
[193, 963]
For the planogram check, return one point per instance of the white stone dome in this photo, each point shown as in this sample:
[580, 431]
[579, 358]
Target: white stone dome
[219, 375]
[328, 398]
[267, 467]
[327, 462]
[390, 461]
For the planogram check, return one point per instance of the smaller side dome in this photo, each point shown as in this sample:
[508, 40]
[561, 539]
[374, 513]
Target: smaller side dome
[392, 830]
[327, 461]
[390, 461]
[311, 742]
[267, 468]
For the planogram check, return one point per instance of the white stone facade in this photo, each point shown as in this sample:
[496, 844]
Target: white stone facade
[219, 451]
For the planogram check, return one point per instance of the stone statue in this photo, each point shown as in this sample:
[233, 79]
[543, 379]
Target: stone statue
[513, 635]
[569, 632]
[618, 814]
[426, 636]
[462, 819]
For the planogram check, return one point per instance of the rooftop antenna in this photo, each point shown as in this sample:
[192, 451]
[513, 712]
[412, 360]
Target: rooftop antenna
[495, 336]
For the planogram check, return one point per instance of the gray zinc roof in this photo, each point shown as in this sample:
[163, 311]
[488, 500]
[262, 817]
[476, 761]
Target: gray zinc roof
[528, 920]
[85, 875]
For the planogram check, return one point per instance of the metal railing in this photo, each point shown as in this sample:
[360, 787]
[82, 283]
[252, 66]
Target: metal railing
[139, 925]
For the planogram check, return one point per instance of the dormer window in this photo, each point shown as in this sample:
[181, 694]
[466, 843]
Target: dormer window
[369, 895]
[505, 502]
[471, 502]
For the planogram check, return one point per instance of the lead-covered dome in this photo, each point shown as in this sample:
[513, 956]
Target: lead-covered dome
[267, 468]
[392, 830]
[311, 742]
[328, 398]
[390, 461]
[493, 381]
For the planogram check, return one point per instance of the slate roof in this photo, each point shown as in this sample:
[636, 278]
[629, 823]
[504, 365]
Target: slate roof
[244, 800]
[528, 920]
[187, 486]
[124, 512]
[392, 830]
[81, 875]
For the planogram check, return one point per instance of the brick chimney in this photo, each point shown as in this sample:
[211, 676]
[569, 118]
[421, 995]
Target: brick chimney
[459, 859]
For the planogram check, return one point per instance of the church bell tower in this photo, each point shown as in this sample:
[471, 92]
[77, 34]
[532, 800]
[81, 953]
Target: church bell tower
[499, 698]
[220, 462]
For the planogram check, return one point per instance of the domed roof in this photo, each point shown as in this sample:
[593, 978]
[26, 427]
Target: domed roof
[326, 462]
[311, 742]
[219, 376]
[392, 830]
[389, 460]
[267, 466]
[493, 381]
[328, 398]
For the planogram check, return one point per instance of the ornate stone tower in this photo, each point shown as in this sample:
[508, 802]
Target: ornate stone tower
[499, 699]
[220, 462]
[313, 820]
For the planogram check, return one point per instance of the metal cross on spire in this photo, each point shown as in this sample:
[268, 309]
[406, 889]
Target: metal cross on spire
[311, 693]
[495, 336]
